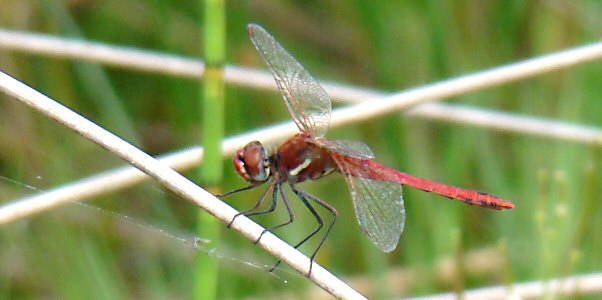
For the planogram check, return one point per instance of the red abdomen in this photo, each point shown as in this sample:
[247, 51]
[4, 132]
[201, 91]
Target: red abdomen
[372, 170]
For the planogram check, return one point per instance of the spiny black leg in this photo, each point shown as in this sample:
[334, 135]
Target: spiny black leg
[316, 216]
[314, 213]
[257, 204]
[276, 186]
[249, 187]
[291, 215]
[331, 209]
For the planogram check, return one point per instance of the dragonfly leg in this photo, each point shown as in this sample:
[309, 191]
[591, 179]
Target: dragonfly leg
[333, 211]
[274, 189]
[304, 196]
[257, 204]
[242, 189]
[291, 215]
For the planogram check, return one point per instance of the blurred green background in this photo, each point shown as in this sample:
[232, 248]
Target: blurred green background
[77, 252]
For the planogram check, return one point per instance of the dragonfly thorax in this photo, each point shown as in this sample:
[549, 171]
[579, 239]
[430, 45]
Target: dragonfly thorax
[298, 160]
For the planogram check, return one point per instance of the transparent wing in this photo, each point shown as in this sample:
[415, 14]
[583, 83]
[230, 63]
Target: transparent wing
[378, 206]
[306, 99]
[347, 148]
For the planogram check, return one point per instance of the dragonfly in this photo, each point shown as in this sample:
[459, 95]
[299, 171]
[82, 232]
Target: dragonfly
[376, 190]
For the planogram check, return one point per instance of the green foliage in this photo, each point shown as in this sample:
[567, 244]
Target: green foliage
[76, 253]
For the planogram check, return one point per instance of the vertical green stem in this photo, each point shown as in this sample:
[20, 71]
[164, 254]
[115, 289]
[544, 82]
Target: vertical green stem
[213, 131]
[459, 272]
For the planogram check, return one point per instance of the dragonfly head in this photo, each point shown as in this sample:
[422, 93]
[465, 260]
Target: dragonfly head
[253, 163]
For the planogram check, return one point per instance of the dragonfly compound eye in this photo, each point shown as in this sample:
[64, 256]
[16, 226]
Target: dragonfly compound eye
[252, 162]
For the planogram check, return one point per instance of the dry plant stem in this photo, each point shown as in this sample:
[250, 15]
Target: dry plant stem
[473, 82]
[176, 183]
[98, 52]
[500, 121]
[564, 287]
[188, 67]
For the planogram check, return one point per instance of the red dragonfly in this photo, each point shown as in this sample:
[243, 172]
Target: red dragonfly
[375, 189]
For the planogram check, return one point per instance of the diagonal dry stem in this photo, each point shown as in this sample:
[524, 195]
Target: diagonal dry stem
[587, 284]
[177, 184]
[174, 65]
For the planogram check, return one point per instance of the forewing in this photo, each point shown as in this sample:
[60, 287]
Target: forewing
[379, 208]
[306, 99]
[354, 149]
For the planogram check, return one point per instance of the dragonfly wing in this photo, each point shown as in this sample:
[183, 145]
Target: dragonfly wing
[306, 99]
[379, 208]
[354, 149]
